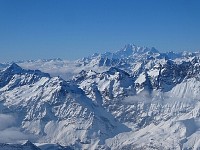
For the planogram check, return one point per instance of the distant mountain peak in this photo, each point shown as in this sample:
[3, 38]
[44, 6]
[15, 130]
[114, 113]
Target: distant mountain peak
[131, 50]
[138, 49]
[130, 46]
[30, 145]
[14, 68]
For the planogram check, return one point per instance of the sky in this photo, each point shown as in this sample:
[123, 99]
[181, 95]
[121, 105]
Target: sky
[72, 29]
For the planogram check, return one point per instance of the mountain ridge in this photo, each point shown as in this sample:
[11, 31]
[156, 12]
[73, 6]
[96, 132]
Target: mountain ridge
[136, 98]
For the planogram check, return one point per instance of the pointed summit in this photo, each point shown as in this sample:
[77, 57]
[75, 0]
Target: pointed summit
[125, 52]
[14, 68]
[132, 48]
[154, 50]
[30, 146]
[14, 65]
[129, 46]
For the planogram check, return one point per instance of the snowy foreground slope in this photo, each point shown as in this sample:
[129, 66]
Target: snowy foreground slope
[135, 98]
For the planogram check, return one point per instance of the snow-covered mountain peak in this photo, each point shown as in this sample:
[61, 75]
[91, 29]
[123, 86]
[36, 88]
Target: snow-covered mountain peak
[14, 76]
[135, 88]
[16, 69]
[29, 145]
[131, 49]
[13, 68]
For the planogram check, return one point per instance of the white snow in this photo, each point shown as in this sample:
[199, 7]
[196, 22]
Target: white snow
[153, 105]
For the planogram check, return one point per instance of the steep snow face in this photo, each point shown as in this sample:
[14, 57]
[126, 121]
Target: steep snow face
[171, 120]
[188, 89]
[179, 132]
[55, 110]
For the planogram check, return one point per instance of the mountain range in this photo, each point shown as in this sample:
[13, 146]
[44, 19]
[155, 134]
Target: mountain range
[134, 98]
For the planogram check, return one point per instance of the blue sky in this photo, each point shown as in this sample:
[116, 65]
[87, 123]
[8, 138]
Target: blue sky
[71, 29]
